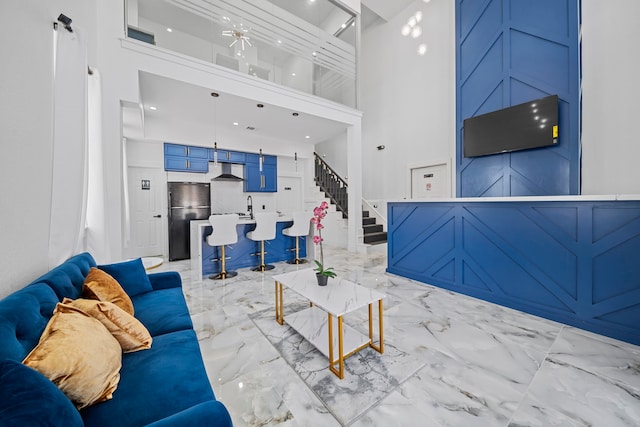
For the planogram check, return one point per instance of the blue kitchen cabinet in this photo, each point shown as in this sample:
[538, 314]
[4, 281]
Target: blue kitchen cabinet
[228, 156]
[257, 181]
[186, 158]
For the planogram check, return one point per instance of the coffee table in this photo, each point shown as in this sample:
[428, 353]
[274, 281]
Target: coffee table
[327, 306]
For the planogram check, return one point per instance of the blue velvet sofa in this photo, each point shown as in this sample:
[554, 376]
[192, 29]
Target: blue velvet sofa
[166, 385]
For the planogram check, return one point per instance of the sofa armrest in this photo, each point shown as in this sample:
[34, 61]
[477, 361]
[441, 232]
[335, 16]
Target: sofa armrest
[211, 413]
[165, 280]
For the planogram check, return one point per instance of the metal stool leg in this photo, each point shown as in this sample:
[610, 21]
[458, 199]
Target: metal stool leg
[224, 274]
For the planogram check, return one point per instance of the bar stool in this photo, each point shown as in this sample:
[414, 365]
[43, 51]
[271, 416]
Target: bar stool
[300, 227]
[224, 233]
[265, 230]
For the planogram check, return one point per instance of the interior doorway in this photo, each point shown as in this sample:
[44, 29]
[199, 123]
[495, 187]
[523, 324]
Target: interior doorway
[147, 187]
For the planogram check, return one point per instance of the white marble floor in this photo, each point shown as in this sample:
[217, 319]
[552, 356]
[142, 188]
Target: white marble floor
[473, 363]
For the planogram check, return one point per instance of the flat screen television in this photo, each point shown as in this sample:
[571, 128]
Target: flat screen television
[519, 127]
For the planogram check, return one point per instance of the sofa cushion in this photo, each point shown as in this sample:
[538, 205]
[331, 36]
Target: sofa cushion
[27, 398]
[156, 383]
[211, 414]
[66, 279]
[163, 311]
[131, 275]
[129, 331]
[101, 286]
[79, 355]
[23, 316]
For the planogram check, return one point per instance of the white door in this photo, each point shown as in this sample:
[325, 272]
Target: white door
[430, 182]
[289, 195]
[147, 188]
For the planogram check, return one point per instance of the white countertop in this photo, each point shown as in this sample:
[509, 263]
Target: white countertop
[281, 218]
[581, 198]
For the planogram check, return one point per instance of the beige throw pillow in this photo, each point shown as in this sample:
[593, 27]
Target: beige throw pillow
[129, 331]
[101, 286]
[79, 355]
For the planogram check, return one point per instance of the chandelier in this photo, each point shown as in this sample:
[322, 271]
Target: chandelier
[239, 35]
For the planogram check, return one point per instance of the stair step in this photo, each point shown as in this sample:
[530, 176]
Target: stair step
[365, 214]
[368, 221]
[378, 237]
[373, 228]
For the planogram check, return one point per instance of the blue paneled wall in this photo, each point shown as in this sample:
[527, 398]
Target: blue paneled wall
[576, 262]
[509, 52]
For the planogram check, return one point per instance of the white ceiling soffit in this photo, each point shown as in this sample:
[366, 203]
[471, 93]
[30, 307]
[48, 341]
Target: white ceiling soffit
[188, 113]
[387, 9]
[270, 23]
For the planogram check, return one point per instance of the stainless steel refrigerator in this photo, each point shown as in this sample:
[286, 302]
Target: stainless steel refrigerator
[187, 201]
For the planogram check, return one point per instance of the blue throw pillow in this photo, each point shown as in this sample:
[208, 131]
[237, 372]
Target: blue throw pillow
[28, 398]
[131, 275]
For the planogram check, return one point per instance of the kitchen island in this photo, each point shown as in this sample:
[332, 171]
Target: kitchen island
[204, 258]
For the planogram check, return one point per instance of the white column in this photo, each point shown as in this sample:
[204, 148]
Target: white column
[354, 170]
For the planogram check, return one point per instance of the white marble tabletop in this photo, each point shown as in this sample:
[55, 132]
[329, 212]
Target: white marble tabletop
[339, 297]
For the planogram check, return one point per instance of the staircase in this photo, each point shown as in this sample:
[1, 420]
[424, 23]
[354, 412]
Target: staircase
[373, 233]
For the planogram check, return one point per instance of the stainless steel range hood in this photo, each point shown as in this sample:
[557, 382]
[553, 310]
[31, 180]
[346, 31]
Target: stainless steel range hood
[226, 174]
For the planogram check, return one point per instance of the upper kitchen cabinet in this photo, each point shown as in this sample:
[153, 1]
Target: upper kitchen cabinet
[185, 158]
[265, 180]
[227, 156]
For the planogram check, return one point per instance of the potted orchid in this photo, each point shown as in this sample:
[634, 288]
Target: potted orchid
[322, 273]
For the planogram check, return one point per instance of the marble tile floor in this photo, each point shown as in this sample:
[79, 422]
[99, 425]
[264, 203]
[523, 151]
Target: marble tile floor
[478, 364]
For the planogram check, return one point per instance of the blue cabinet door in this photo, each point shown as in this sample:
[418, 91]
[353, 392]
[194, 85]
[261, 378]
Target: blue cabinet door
[198, 152]
[269, 178]
[186, 164]
[252, 178]
[227, 156]
[175, 150]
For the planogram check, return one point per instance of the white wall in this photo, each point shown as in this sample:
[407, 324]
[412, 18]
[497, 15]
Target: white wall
[610, 59]
[334, 152]
[26, 118]
[408, 100]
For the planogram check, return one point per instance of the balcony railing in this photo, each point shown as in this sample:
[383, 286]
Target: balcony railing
[311, 46]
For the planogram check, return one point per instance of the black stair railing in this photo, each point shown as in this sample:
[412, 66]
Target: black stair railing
[332, 184]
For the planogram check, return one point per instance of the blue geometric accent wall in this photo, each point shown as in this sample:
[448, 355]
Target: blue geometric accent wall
[576, 262]
[509, 52]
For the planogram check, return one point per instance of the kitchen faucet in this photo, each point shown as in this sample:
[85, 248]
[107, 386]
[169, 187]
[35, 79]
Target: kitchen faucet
[250, 206]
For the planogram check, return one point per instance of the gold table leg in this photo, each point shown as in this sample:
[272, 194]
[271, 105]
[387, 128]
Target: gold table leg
[340, 371]
[379, 348]
[279, 304]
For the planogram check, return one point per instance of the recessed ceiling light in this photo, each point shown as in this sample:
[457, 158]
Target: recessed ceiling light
[293, 74]
[416, 31]
[169, 30]
[314, 53]
[343, 25]
[235, 123]
[422, 49]
[151, 107]
[279, 41]
[307, 137]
